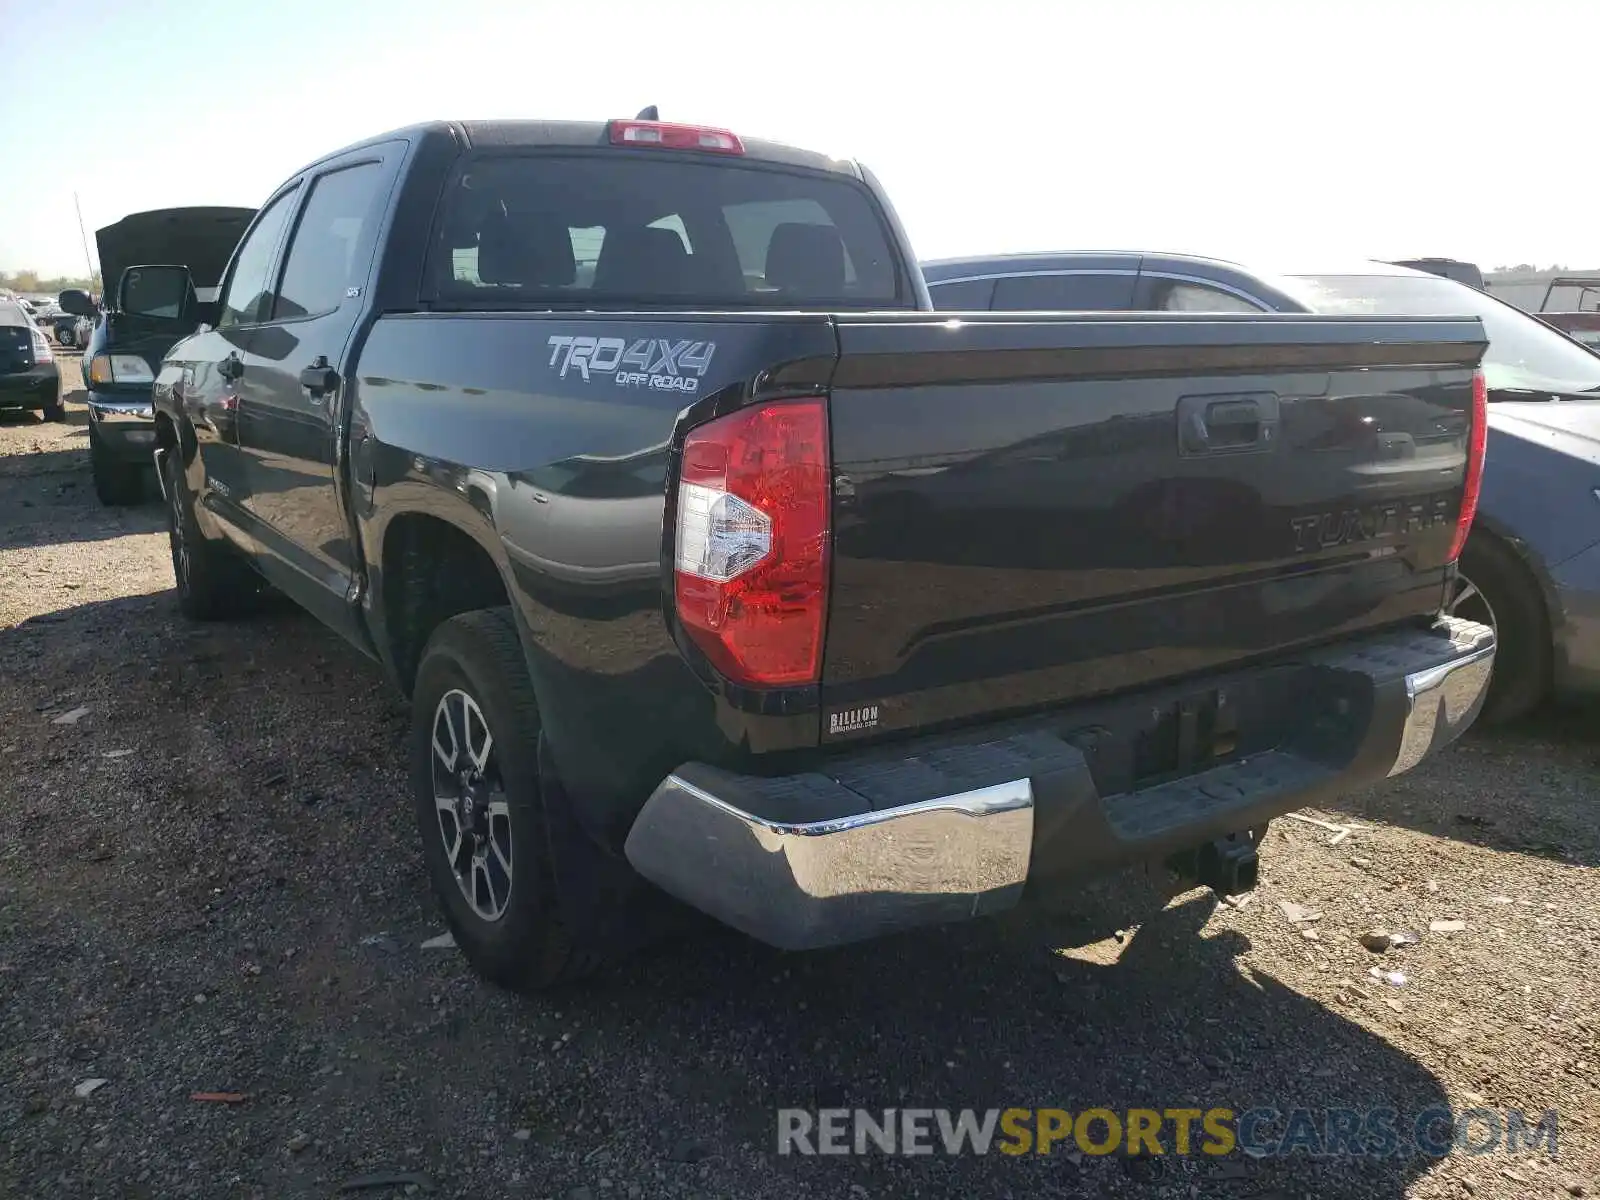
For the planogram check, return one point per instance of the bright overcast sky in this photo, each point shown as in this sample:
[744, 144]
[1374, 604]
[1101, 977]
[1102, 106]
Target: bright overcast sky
[1285, 129]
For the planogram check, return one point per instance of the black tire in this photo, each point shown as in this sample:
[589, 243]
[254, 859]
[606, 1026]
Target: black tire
[116, 484]
[1497, 588]
[66, 338]
[55, 408]
[213, 583]
[526, 946]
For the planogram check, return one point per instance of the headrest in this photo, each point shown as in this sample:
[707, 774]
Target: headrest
[642, 259]
[806, 258]
[525, 249]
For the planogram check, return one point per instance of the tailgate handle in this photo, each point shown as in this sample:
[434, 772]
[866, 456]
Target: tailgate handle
[1227, 424]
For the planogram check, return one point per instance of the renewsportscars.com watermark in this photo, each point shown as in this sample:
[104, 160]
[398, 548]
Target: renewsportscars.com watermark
[1261, 1132]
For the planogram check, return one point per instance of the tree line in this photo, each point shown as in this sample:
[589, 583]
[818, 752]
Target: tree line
[31, 281]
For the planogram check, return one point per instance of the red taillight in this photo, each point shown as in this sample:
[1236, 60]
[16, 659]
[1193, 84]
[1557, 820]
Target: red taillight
[1477, 442]
[751, 556]
[675, 137]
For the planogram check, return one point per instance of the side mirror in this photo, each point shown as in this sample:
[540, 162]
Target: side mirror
[163, 292]
[76, 302]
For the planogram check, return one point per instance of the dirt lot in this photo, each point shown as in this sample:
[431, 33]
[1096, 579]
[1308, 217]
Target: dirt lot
[209, 882]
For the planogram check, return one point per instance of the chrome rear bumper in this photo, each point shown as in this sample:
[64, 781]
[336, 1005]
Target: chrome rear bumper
[819, 883]
[872, 848]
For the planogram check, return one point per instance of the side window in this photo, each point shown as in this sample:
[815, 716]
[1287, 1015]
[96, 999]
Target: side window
[249, 290]
[1071, 293]
[321, 264]
[965, 295]
[1179, 296]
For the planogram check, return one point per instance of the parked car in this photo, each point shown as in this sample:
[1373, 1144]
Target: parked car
[641, 548]
[29, 377]
[1572, 304]
[71, 330]
[1532, 565]
[123, 349]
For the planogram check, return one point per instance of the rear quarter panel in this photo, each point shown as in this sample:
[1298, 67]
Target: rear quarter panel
[561, 473]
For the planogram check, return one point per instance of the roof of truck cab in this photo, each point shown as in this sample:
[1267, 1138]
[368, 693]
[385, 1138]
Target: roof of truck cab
[524, 134]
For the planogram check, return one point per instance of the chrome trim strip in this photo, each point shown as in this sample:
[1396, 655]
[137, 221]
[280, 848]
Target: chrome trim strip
[1197, 280]
[804, 885]
[1442, 701]
[933, 283]
[123, 410]
[160, 456]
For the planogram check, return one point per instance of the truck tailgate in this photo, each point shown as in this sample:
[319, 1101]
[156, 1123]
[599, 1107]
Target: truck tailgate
[1031, 509]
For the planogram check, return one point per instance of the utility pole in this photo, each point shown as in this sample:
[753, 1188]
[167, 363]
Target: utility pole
[88, 260]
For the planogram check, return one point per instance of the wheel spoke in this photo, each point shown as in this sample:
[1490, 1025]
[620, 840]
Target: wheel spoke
[1467, 592]
[483, 889]
[451, 836]
[479, 740]
[446, 756]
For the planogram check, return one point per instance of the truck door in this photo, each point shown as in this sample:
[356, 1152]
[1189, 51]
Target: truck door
[290, 430]
[214, 368]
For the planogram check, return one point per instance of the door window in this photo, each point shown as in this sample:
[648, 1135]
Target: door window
[249, 291]
[322, 263]
[962, 295]
[1173, 295]
[1088, 292]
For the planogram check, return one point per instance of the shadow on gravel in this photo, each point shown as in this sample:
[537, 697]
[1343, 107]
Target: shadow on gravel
[43, 463]
[132, 616]
[984, 1016]
[1493, 799]
[42, 511]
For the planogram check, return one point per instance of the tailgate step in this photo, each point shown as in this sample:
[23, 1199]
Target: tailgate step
[1153, 811]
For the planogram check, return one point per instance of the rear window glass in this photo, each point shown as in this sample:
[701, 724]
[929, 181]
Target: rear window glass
[617, 230]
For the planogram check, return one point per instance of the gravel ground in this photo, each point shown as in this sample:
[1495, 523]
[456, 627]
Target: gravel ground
[209, 882]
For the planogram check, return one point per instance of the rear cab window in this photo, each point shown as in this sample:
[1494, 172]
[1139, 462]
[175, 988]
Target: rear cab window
[552, 229]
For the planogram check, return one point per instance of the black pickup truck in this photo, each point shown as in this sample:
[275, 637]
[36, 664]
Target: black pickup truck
[710, 556]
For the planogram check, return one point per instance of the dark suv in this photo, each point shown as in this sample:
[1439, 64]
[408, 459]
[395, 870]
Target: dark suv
[29, 377]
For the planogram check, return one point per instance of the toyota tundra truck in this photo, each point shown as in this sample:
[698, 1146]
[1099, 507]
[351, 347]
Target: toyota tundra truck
[714, 563]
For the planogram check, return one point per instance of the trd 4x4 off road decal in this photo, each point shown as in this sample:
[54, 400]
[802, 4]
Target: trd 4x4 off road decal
[661, 364]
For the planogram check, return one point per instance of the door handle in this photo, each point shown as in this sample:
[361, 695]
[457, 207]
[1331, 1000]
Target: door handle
[231, 367]
[319, 378]
[1237, 423]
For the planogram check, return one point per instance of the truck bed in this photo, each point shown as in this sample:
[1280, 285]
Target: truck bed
[1026, 514]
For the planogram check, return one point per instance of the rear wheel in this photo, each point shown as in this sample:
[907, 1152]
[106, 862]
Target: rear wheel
[475, 782]
[54, 409]
[213, 583]
[1495, 587]
[65, 337]
[115, 483]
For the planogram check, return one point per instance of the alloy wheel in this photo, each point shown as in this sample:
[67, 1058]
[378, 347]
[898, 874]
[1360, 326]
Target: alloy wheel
[1468, 602]
[470, 800]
